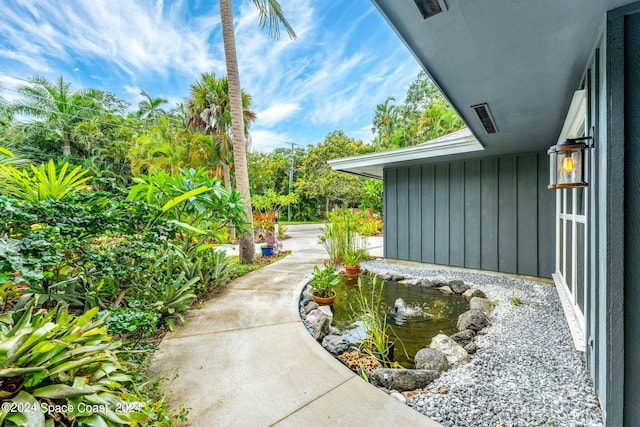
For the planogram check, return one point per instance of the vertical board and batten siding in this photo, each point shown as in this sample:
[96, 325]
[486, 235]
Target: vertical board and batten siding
[485, 214]
[632, 220]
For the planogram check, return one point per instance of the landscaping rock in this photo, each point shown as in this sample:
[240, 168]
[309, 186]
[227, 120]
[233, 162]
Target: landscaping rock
[397, 278]
[463, 337]
[445, 290]
[409, 281]
[470, 293]
[472, 319]
[386, 276]
[439, 281]
[398, 396]
[471, 348]
[455, 354]
[335, 344]
[481, 304]
[320, 321]
[458, 286]
[403, 379]
[426, 283]
[431, 359]
[306, 296]
[310, 306]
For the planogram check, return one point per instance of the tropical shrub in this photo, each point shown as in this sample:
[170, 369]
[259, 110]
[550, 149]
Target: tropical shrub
[44, 182]
[341, 235]
[59, 369]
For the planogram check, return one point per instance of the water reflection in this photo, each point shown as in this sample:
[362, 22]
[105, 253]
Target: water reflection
[416, 314]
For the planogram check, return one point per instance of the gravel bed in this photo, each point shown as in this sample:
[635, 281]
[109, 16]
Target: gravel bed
[527, 371]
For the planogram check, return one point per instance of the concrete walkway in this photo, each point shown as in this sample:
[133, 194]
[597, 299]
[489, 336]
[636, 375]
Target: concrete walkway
[246, 359]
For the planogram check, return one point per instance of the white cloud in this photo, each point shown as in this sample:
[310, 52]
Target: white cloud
[265, 140]
[276, 113]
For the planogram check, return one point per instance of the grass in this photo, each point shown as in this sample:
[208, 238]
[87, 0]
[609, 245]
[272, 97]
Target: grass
[299, 222]
[516, 301]
[238, 270]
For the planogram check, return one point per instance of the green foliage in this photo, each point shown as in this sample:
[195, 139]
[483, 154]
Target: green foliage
[424, 116]
[133, 320]
[372, 195]
[44, 182]
[324, 281]
[373, 320]
[341, 235]
[320, 182]
[53, 358]
[192, 200]
[516, 301]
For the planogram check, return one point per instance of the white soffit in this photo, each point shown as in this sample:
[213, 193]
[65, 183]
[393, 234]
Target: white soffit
[371, 165]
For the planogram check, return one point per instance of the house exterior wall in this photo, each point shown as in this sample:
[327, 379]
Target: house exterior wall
[613, 319]
[612, 79]
[491, 214]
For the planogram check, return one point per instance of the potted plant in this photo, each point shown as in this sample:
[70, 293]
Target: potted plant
[269, 243]
[323, 283]
[352, 263]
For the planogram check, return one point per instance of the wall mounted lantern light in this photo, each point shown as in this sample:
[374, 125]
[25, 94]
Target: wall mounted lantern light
[567, 167]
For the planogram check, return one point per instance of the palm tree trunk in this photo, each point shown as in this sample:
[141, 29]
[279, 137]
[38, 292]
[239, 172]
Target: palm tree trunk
[66, 144]
[226, 175]
[247, 245]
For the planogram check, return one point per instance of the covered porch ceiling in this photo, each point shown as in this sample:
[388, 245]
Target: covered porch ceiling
[523, 59]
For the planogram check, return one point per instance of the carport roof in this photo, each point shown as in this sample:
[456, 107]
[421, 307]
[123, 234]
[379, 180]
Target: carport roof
[371, 165]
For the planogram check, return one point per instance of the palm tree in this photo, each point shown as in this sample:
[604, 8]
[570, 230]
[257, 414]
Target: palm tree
[271, 12]
[56, 106]
[209, 112]
[150, 108]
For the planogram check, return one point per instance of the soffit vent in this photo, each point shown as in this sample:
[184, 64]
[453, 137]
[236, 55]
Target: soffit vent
[482, 110]
[429, 8]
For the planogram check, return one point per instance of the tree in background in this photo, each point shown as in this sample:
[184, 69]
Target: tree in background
[56, 108]
[270, 12]
[209, 112]
[320, 182]
[424, 116]
[151, 108]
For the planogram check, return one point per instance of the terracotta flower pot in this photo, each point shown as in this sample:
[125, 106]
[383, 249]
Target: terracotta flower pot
[324, 301]
[352, 270]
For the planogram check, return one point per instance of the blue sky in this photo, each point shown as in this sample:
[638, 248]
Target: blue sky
[344, 62]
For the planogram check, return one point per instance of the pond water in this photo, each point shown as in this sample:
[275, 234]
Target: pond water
[415, 313]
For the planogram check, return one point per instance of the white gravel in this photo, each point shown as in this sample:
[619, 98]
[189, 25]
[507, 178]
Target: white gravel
[527, 371]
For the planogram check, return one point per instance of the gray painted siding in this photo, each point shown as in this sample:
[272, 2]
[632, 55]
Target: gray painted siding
[632, 221]
[484, 213]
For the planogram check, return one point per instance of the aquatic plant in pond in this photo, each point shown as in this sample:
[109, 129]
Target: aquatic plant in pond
[421, 314]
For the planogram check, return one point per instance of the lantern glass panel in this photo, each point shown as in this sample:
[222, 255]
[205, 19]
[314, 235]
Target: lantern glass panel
[569, 167]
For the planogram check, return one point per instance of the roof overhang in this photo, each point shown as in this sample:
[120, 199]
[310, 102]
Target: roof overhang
[372, 165]
[524, 59]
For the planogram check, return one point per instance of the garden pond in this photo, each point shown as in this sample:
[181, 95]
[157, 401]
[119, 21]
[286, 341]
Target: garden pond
[415, 313]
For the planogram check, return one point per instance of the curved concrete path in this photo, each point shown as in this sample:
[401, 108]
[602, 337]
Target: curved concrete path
[246, 359]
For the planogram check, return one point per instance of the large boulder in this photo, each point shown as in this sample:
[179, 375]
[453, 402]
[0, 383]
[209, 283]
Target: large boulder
[403, 379]
[481, 304]
[472, 319]
[463, 337]
[458, 286]
[470, 293]
[336, 344]
[431, 359]
[455, 354]
[320, 321]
